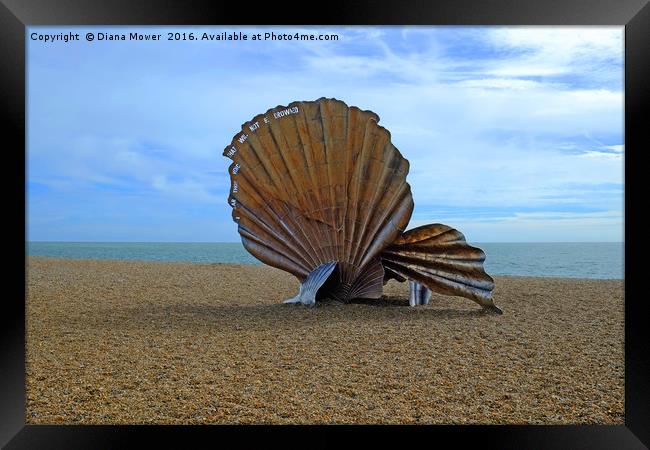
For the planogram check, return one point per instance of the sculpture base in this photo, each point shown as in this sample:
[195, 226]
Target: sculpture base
[419, 295]
[311, 285]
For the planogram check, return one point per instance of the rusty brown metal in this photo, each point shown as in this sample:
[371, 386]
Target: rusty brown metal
[319, 182]
[438, 257]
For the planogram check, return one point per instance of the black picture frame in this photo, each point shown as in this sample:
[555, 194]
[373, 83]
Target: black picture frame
[16, 15]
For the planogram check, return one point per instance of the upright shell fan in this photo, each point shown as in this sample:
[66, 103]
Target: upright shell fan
[318, 190]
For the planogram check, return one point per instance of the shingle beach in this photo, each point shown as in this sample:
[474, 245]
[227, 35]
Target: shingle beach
[120, 342]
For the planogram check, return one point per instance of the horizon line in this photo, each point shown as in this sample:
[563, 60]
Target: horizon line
[239, 242]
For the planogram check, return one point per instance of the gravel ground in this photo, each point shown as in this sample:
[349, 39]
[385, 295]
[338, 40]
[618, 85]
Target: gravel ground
[144, 342]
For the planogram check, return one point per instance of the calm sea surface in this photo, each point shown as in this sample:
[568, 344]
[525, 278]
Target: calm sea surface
[568, 260]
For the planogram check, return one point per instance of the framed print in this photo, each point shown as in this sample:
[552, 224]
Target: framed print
[377, 224]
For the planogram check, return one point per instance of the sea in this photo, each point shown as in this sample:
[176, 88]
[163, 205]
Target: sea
[600, 260]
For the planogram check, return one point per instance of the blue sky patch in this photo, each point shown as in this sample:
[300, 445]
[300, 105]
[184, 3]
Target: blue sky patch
[512, 133]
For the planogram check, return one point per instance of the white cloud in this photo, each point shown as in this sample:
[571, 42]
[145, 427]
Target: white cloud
[606, 42]
[554, 51]
[601, 155]
[501, 83]
[188, 189]
[541, 226]
[155, 119]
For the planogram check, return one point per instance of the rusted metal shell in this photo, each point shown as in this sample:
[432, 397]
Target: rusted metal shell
[438, 257]
[319, 190]
[316, 182]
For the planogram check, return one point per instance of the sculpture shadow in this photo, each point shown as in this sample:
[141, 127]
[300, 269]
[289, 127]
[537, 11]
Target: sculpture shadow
[383, 302]
[429, 311]
[273, 316]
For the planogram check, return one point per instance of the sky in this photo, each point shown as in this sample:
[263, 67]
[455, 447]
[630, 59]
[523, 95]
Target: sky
[513, 134]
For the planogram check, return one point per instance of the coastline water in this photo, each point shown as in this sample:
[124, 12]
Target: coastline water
[600, 260]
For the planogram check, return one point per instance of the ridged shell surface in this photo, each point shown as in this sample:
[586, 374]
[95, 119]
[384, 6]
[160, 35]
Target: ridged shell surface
[438, 257]
[316, 182]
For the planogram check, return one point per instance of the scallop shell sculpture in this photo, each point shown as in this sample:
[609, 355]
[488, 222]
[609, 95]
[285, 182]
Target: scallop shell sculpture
[319, 190]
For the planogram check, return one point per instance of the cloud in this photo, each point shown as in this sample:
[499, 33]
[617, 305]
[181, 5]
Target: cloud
[189, 189]
[563, 42]
[555, 51]
[605, 226]
[501, 83]
[527, 119]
